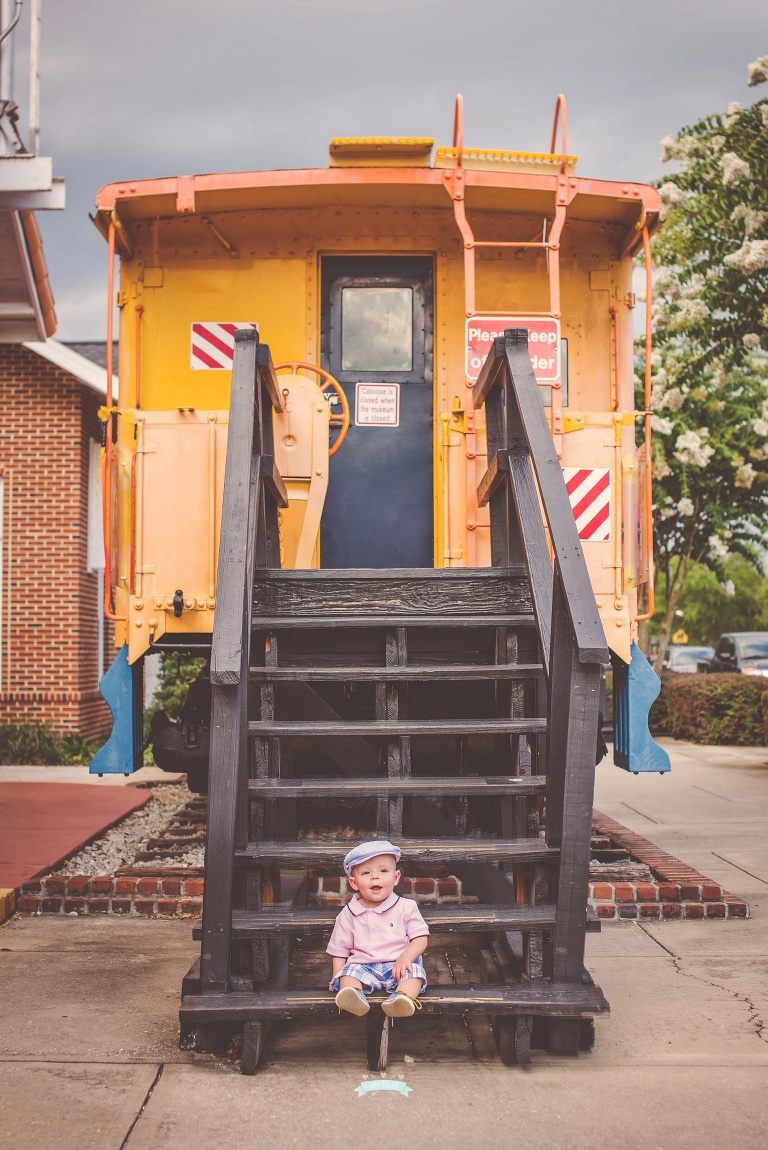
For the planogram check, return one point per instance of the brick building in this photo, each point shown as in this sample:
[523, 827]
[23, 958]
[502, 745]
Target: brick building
[54, 643]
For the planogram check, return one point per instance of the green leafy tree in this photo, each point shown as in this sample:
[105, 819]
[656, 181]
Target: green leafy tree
[708, 607]
[709, 365]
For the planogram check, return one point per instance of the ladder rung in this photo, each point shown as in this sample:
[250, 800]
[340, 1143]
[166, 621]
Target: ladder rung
[377, 787]
[330, 852]
[390, 728]
[562, 999]
[412, 673]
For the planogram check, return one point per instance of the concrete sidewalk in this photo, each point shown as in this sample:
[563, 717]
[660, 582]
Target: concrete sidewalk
[88, 1026]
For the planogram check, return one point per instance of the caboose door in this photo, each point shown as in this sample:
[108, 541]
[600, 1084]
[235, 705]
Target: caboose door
[377, 342]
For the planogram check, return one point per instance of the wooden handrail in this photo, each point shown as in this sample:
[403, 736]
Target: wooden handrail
[508, 365]
[253, 490]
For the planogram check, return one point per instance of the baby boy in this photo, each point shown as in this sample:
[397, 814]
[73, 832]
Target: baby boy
[379, 937]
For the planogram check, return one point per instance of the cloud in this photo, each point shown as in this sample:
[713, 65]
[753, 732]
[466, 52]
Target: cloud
[162, 87]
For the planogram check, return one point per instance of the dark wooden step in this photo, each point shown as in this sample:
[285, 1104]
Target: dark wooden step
[378, 787]
[557, 1000]
[363, 622]
[469, 917]
[414, 673]
[327, 852]
[392, 727]
[412, 591]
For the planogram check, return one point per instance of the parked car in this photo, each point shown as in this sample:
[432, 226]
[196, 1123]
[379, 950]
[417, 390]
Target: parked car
[684, 659]
[741, 651]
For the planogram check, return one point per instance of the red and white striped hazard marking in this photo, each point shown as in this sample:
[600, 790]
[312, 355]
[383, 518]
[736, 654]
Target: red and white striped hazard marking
[589, 490]
[212, 345]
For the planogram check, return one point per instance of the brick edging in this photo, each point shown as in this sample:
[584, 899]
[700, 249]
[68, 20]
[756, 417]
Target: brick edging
[680, 892]
[148, 896]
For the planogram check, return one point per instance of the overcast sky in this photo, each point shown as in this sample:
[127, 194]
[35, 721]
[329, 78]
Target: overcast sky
[139, 88]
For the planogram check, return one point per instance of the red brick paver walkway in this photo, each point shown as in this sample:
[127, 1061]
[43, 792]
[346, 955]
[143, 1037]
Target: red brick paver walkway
[43, 823]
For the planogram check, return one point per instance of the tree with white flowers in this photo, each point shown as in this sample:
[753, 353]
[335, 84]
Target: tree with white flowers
[709, 362]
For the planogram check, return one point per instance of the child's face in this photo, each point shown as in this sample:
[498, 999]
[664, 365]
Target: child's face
[375, 879]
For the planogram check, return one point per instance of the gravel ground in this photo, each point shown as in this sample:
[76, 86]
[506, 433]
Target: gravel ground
[119, 846]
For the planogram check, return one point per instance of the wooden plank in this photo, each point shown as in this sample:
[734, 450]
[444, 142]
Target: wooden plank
[490, 372]
[578, 795]
[228, 745]
[274, 481]
[503, 592]
[368, 728]
[268, 377]
[370, 622]
[467, 918]
[569, 556]
[328, 852]
[256, 1033]
[226, 652]
[496, 474]
[415, 672]
[560, 702]
[535, 547]
[557, 1000]
[426, 786]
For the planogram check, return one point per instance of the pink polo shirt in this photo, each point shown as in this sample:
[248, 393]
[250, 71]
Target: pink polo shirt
[376, 934]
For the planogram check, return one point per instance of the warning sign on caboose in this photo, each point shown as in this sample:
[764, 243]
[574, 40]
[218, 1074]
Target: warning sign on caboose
[543, 343]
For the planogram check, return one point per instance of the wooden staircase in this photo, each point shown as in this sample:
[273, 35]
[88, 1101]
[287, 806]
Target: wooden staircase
[436, 702]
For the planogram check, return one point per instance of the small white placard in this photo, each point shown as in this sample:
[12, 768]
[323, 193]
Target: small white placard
[377, 404]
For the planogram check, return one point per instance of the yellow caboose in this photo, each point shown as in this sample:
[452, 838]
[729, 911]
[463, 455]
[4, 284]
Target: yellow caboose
[375, 451]
[429, 252]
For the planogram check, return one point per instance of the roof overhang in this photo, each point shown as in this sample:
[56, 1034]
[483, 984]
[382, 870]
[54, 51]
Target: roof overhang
[627, 204]
[26, 301]
[84, 370]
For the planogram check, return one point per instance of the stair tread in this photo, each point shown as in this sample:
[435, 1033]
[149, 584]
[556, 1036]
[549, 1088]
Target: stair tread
[343, 619]
[389, 727]
[418, 672]
[533, 997]
[461, 785]
[415, 850]
[471, 916]
[468, 917]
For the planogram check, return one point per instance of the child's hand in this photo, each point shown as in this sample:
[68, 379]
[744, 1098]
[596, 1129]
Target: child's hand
[402, 968]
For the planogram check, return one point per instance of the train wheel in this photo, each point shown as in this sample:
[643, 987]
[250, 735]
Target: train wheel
[513, 1039]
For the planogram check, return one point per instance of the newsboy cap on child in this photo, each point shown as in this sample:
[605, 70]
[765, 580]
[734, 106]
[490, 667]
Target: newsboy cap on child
[364, 851]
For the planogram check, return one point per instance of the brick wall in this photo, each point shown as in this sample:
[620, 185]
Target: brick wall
[49, 619]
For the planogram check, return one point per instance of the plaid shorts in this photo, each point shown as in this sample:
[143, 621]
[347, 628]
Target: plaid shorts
[378, 975]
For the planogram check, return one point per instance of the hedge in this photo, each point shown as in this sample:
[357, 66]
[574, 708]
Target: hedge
[712, 709]
[37, 744]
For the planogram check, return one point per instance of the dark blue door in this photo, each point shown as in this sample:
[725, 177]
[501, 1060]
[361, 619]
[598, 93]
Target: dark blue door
[377, 342]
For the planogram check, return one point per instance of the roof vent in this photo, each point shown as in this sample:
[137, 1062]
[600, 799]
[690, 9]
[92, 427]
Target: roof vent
[381, 152]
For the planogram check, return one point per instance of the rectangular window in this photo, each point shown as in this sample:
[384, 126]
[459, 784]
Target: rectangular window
[377, 329]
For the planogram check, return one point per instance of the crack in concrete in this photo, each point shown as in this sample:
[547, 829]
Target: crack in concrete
[143, 1107]
[754, 1014]
[760, 1026]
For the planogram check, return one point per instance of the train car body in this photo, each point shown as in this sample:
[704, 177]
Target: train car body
[432, 254]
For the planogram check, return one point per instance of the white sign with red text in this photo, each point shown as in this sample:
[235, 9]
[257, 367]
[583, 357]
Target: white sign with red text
[377, 404]
[543, 343]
